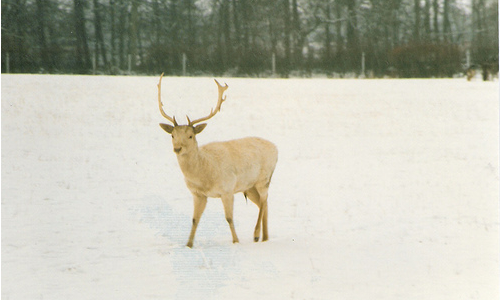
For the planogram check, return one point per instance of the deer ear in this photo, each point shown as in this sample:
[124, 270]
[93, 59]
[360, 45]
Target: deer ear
[199, 128]
[167, 128]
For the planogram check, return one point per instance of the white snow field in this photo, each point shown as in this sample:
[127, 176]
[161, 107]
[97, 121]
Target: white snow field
[384, 189]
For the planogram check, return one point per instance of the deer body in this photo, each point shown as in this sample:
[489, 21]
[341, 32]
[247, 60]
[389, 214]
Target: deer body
[222, 169]
[228, 167]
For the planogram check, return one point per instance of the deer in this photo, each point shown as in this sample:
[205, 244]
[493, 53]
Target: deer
[222, 169]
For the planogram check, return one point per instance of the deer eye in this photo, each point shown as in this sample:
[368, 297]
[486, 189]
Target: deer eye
[172, 136]
[190, 136]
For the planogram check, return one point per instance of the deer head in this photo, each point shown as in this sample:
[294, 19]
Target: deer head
[184, 136]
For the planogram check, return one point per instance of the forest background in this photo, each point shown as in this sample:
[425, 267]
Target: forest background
[260, 38]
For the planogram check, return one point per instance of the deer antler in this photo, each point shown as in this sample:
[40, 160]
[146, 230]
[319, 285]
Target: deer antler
[161, 104]
[213, 112]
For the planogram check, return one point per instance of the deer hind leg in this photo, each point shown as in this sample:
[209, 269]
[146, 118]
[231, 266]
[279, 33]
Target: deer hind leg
[228, 202]
[254, 196]
[259, 197]
[200, 202]
[263, 191]
[263, 213]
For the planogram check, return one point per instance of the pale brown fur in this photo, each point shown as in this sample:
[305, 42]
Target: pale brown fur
[222, 169]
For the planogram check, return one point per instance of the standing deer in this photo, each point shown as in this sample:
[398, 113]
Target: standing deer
[222, 169]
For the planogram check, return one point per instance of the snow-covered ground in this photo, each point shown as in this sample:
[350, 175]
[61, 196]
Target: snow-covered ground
[384, 189]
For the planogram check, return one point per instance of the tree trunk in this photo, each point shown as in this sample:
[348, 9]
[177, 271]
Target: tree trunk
[237, 25]
[226, 51]
[41, 6]
[435, 6]
[327, 60]
[287, 31]
[190, 28]
[113, 32]
[100, 46]
[245, 42]
[446, 22]
[416, 28]
[427, 19]
[157, 22]
[353, 49]
[82, 49]
[133, 36]
[339, 40]
[122, 52]
[176, 47]
[297, 38]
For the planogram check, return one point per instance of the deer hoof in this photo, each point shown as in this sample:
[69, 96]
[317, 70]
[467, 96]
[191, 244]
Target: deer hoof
[256, 239]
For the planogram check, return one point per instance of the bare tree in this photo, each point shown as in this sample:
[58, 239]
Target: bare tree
[133, 33]
[416, 27]
[446, 22]
[287, 37]
[41, 31]
[82, 48]
[435, 23]
[100, 47]
[237, 35]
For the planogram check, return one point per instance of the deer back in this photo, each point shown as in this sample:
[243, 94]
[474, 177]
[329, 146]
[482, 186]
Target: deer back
[230, 167]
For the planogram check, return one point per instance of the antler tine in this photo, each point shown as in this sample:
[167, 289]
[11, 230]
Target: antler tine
[213, 112]
[161, 104]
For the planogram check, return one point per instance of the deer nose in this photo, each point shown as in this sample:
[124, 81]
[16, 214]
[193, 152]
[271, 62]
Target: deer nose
[177, 150]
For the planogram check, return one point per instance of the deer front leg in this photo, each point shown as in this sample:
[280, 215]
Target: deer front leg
[228, 202]
[200, 202]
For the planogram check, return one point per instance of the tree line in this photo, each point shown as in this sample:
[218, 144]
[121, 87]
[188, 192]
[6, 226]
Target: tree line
[404, 38]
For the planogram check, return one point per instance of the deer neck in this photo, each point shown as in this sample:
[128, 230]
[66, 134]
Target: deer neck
[192, 164]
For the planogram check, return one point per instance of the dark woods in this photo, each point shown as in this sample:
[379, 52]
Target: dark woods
[373, 38]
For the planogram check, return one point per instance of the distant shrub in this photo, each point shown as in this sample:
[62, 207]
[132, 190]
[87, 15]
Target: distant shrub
[424, 60]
